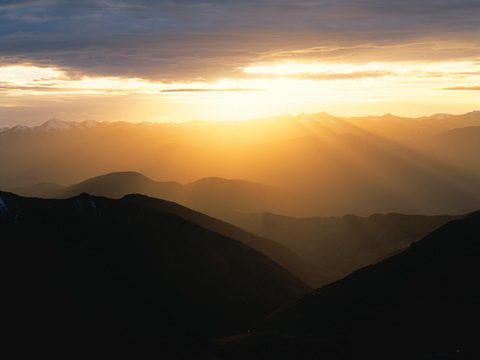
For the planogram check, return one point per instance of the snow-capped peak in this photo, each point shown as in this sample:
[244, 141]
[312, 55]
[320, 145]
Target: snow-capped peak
[56, 124]
[20, 129]
[89, 123]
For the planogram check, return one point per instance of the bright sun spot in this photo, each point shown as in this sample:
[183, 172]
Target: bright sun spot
[268, 90]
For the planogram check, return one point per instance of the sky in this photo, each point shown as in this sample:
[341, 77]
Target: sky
[162, 61]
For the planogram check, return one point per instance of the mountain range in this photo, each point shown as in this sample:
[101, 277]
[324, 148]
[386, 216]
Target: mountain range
[403, 165]
[214, 196]
[295, 237]
[419, 304]
[89, 271]
[153, 277]
[318, 250]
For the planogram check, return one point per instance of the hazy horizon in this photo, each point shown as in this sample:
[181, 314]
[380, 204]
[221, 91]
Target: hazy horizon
[42, 121]
[224, 60]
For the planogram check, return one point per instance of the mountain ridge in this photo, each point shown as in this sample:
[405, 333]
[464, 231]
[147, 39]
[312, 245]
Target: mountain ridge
[91, 270]
[419, 304]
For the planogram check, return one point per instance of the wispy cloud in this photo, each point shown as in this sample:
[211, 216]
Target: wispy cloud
[462, 88]
[208, 90]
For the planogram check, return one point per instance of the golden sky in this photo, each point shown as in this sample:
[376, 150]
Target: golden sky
[226, 60]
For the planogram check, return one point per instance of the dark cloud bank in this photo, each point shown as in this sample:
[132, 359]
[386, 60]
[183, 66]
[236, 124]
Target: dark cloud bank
[185, 41]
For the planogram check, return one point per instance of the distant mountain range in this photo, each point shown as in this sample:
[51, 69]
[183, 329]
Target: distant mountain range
[276, 128]
[327, 165]
[91, 271]
[419, 304]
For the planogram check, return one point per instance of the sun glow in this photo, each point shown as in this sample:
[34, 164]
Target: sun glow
[391, 68]
[266, 90]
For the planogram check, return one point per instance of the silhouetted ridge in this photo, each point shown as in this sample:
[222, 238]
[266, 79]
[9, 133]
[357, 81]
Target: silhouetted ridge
[91, 270]
[308, 271]
[419, 304]
[117, 184]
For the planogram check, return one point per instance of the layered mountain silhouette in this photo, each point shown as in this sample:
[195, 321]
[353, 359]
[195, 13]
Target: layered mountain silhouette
[343, 244]
[214, 196]
[317, 250]
[419, 304]
[331, 165]
[307, 270]
[99, 264]
[89, 271]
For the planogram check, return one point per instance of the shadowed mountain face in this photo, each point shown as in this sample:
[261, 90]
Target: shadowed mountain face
[420, 304]
[90, 270]
[342, 244]
[302, 267]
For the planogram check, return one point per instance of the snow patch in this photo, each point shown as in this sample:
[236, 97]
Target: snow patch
[89, 123]
[57, 125]
[20, 128]
[3, 206]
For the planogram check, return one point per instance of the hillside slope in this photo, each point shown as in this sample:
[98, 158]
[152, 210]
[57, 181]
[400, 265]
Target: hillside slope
[90, 270]
[420, 304]
[302, 267]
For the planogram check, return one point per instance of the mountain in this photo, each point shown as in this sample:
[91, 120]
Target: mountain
[90, 271]
[343, 244]
[217, 197]
[214, 196]
[116, 185]
[419, 304]
[302, 267]
[394, 161]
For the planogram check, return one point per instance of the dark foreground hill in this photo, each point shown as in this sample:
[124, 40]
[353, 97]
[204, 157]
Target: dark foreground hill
[420, 304]
[89, 270]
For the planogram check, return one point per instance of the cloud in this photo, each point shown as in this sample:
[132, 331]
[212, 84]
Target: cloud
[462, 88]
[343, 76]
[190, 41]
[208, 90]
